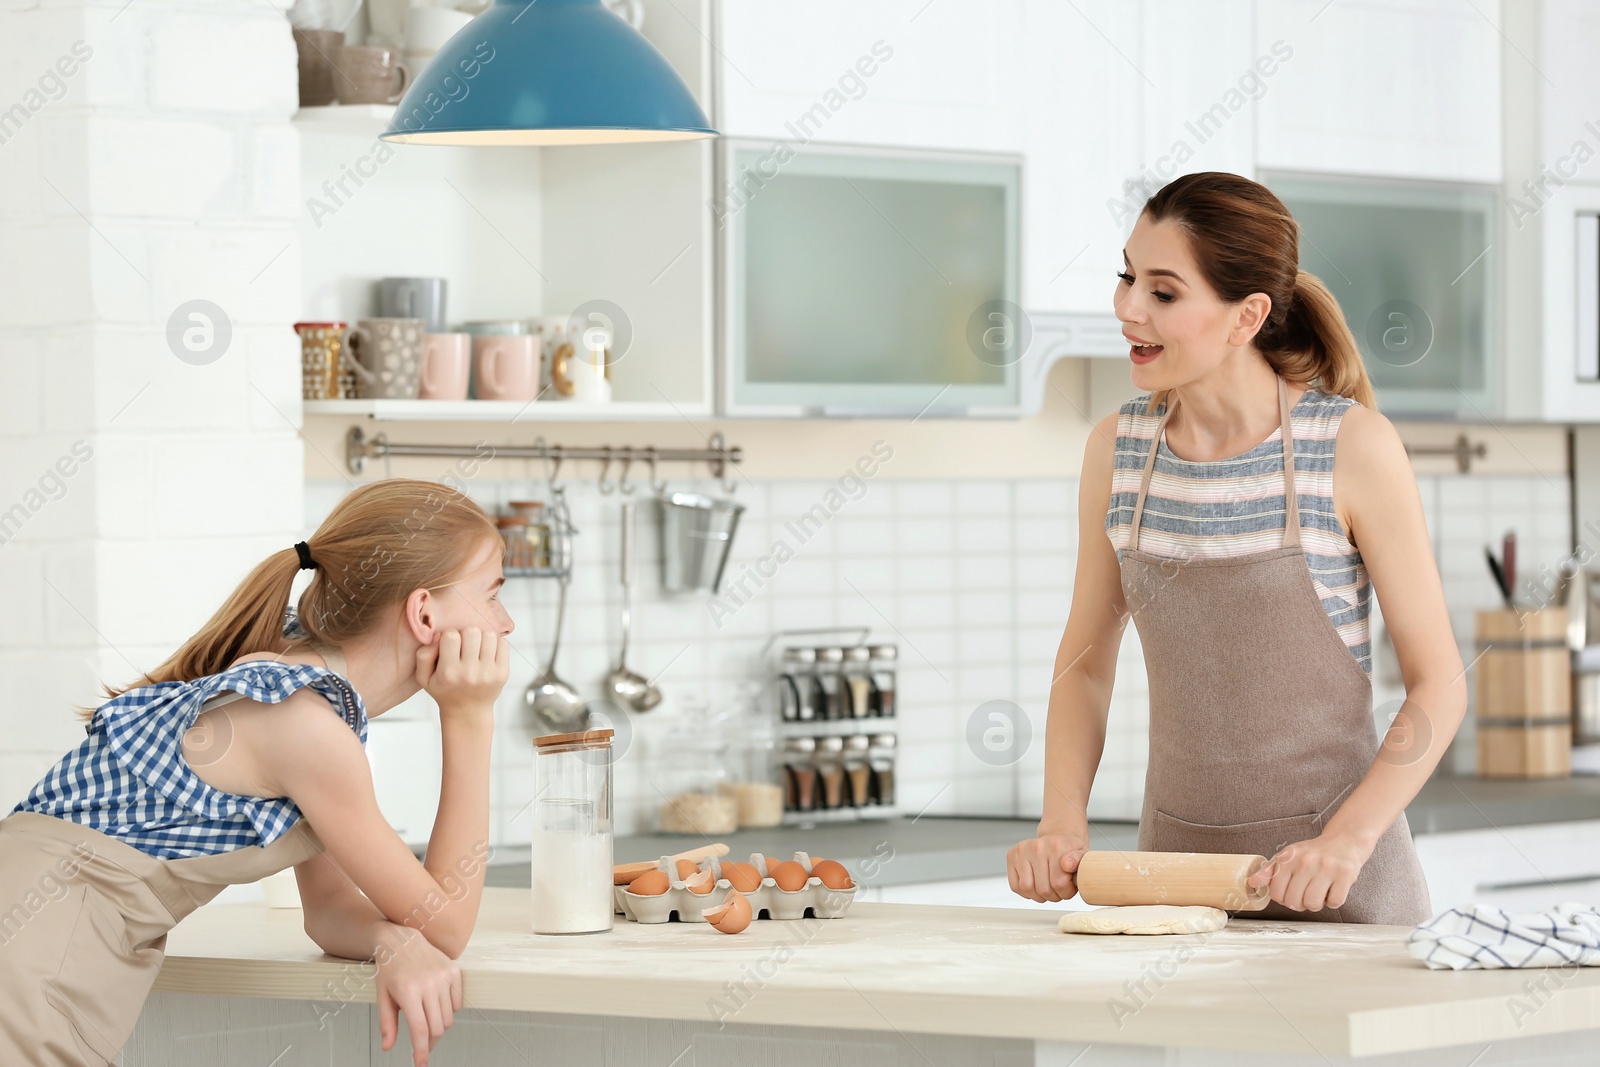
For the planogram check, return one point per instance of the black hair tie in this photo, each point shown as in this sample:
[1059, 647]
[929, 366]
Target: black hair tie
[306, 562]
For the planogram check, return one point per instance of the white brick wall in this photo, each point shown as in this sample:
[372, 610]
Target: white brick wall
[160, 170]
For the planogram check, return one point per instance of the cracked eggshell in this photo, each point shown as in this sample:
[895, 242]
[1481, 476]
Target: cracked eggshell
[732, 916]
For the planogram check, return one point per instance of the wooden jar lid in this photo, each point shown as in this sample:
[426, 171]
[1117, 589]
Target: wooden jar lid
[579, 738]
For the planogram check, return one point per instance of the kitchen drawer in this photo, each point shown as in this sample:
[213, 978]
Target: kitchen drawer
[1519, 868]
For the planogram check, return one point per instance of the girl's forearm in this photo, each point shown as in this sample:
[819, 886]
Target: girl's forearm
[458, 848]
[350, 926]
[1074, 737]
[1407, 757]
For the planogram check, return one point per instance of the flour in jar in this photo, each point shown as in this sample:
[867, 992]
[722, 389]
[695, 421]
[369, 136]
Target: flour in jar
[572, 883]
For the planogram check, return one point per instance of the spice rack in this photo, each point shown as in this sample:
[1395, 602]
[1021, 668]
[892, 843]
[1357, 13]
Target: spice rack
[838, 721]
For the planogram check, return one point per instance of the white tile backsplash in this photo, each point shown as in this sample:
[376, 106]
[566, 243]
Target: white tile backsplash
[973, 582]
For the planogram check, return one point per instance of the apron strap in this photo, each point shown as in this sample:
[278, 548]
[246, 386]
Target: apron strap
[1149, 465]
[1291, 496]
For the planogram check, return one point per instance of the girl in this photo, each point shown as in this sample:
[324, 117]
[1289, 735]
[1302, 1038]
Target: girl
[243, 754]
[1234, 495]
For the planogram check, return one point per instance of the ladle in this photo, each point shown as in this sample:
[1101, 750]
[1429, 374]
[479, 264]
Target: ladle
[627, 688]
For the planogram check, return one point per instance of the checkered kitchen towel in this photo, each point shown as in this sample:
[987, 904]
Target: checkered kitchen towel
[1479, 936]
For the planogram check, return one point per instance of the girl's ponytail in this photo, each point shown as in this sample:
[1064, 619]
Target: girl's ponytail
[381, 542]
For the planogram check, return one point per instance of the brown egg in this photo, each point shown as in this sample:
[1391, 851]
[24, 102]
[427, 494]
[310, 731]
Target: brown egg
[742, 877]
[790, 876]
[687, 869]
[832, 873]
[732, 916]
[772, 865]
[701, 883]
[649, 884]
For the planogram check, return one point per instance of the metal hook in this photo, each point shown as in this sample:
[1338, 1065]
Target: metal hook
[552, 467]
[719, 466]
[657, 485]
[623, 485]
[605, 465]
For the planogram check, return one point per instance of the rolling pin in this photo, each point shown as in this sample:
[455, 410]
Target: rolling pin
[624, 873]
[1183, 878]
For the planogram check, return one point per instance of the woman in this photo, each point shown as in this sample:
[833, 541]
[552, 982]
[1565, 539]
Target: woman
[1233, 545]
[215, 768]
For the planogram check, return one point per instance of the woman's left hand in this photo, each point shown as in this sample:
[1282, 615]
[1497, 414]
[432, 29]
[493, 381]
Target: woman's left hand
[1313, 874]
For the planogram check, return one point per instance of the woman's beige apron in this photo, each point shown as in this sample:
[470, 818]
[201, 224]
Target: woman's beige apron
[1260, 716]
[84, 920]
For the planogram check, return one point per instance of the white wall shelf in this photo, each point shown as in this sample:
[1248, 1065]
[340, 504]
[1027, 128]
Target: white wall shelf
[508, 411]
[370, 119]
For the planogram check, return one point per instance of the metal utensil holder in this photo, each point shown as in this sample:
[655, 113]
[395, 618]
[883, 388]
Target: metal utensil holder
[561, 534]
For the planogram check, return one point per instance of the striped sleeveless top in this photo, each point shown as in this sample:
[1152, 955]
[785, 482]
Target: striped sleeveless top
[129, 779]
[1235, 506]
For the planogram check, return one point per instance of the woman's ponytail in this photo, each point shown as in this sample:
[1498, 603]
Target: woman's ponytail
[1315, 345]
[1245, 242]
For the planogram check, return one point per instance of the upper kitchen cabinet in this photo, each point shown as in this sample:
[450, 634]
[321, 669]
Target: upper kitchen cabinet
[1398, 88]
[1119, 99]
[905, 73]
[1551, 205]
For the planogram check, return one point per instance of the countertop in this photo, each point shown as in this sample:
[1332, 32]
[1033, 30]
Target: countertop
[907, 850]
[1310, 988]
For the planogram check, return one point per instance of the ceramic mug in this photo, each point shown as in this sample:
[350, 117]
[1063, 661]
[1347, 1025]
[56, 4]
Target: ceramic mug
[323, 373]
[446, 366]
[315, 49]
[505, 366]
[369, 75]
[413, 298]
[387, 358]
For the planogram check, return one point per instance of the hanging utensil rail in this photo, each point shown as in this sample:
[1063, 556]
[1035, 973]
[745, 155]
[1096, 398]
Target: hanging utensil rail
[358, 448]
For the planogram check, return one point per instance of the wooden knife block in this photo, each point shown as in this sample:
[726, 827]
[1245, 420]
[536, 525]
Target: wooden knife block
[1524, 694]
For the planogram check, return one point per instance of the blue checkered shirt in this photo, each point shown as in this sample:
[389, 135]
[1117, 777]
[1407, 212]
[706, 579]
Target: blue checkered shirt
[129, 779]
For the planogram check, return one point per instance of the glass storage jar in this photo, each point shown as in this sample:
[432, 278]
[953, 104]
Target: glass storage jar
[572, 833]
[692, 776]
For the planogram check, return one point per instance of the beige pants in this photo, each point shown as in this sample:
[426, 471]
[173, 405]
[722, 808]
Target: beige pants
[83, 930]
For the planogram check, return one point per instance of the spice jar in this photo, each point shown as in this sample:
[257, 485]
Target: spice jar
[880, 754]
[830, 684]
[513, 531]
[796, 685]
[857, 771]
[755, 780]
[857, 677]
[693, 776]
[572, 833]
[884, 658]
[536, 530]
[829, 762]
[801, 773]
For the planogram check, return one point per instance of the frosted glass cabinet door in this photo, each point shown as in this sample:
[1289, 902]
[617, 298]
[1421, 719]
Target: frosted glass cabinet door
[861, 281]
[1415, 269]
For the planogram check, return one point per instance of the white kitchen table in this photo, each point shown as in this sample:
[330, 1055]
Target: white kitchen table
[887, 984]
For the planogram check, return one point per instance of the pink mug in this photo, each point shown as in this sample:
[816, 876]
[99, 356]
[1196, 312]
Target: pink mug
[446, 366]
[507, 366]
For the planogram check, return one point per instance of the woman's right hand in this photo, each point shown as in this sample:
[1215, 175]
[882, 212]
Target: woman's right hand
[419, 981]
[464, 670]
[1044, 868]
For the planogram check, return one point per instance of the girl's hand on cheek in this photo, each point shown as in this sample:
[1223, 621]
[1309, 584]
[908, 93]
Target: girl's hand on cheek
[464, 670]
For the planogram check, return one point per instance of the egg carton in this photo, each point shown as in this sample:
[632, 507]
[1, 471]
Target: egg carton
[681, 904]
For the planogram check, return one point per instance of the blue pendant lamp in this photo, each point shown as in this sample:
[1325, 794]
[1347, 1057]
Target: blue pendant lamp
[547, 72]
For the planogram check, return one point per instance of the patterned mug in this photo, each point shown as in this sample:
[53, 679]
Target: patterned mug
[325, 372]
[387, 357]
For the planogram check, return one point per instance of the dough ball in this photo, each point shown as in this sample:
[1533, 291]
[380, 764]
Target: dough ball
[1145, 919]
